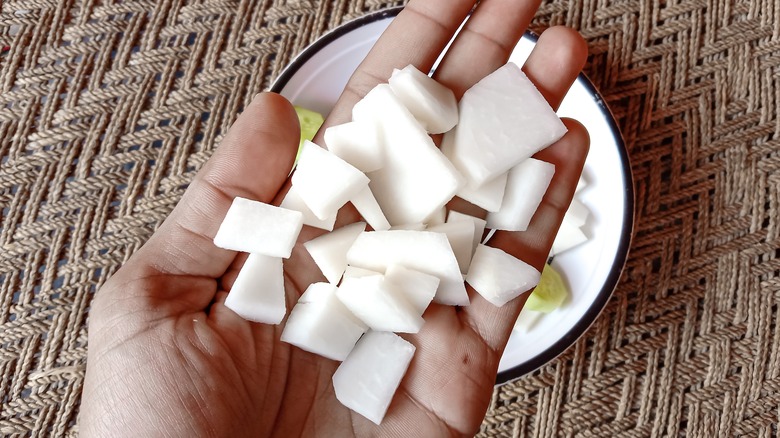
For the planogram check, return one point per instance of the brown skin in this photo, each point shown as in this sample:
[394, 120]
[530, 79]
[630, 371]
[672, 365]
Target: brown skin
[167, 358]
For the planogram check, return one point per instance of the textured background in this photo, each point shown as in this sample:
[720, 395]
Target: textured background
[103, 121]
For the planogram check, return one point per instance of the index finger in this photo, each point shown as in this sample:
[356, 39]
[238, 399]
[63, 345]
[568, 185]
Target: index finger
[417, 36]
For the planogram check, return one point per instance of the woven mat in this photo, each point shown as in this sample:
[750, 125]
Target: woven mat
[101, 127]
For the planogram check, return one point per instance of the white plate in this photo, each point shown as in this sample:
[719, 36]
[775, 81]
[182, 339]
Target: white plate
[315, 79]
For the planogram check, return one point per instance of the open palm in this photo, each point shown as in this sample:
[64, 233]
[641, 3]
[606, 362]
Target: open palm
[166, 357]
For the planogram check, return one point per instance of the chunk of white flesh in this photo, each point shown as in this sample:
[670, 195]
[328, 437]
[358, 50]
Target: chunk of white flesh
[461, 237]
[358, 144]
[324, 181]
[503, 119]
[569, 236]
[417, 179]
[438, 217]
[410, 227]
[365, 203]
[418, 287]
[354, 271]
[293, 201]
[258, 292]
[479, 226]
[499, 277]
[255, 227]
[379, 305]
[431, 103]
[329, 251]
[422, 251]
[525, 188]
[367, 380]
[488, 196]
[323, 326]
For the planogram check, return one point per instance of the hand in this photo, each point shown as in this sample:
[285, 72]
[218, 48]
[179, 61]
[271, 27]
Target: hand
[166, 357]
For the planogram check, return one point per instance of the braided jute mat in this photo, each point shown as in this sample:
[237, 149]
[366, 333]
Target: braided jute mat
[102, 126]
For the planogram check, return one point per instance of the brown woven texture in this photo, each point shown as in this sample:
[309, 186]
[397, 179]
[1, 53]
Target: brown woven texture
[107, 110]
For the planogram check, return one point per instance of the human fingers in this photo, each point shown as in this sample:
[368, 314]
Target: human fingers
[416, 36]
[553, 65]
[485, 42]
[253, 161]
[494, 324]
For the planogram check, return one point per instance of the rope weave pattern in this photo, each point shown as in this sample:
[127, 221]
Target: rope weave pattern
[107, 110]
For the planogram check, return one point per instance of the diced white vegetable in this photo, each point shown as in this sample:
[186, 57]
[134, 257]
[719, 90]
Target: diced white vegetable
[258, 292]
[255, 227]
[487, 196]
[329, 251]
[569, 236]
[461, 237]
[418, 287]
[293, 201]
[379, 305]
[479, 226]
[503, 120]
[431, 103]
[324, 181]
[366, 205]
[422, 251]
[577, 213]
[525, 188]
[322, 325]
[367, 380]
[500, 277]
[410, 227]
[438, 217]
[354, 271]
[356, 143]
[417, 178]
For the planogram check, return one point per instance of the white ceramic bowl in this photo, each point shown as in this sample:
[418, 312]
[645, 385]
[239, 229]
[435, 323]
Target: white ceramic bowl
[315, 79]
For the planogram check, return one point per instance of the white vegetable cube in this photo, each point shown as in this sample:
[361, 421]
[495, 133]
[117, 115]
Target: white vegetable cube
[418, 287]
[461, 237]
[569, 236]
[329, 251]
[479, 226]
[422, 251]
[354, 271]
[410, 227]
[379, 305]
[417, 179]
[366, 205]
[255, 227]
[324, 181]
[258, 292]
[359, 144]
[367, 380]
[431, 103]
[499, 277]
[320, 324]
[438, 217]
[488, 196]
[525, 188]
[292, 201]
[504, 119]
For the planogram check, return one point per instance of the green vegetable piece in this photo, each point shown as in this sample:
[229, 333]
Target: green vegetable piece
[310, 122]
[549, 293]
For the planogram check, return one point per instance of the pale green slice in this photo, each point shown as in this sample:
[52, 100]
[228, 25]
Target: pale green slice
[549, 294]
[310, 122]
